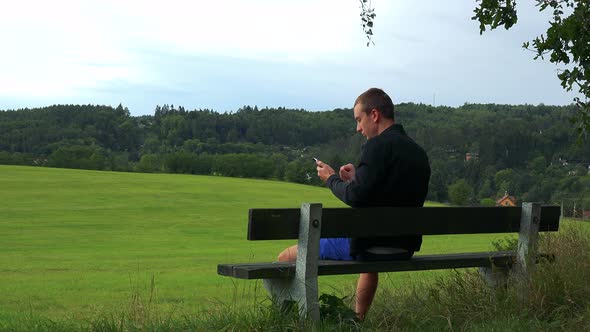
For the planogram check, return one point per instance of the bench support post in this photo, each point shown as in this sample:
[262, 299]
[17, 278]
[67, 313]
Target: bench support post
[528, 237]
[303, 288]
[526, 254]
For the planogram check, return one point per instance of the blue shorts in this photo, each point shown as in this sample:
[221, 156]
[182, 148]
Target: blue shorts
[335, 248]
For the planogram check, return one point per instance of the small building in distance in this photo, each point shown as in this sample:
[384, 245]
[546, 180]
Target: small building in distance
[506, 200]
[471, 156]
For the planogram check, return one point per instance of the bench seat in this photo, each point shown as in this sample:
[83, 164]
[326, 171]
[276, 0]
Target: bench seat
[285, 270]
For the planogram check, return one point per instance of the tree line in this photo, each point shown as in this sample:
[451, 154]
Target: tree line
[478, 152]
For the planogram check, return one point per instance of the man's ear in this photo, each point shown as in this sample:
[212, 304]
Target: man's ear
[375, 115]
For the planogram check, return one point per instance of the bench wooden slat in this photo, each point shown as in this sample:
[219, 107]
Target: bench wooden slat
[284, 270]
[282, 224]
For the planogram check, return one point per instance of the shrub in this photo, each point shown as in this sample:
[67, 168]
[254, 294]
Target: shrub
[487, 202]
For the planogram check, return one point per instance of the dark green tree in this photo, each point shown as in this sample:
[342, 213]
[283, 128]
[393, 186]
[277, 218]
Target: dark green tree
[487, 202]
[149, 163]
[460, 193]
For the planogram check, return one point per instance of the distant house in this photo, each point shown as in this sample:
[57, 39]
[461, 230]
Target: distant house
[586, 214]
[471, 156]
[506, 200]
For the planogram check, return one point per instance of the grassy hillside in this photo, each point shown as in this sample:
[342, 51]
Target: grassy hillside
[79, 242]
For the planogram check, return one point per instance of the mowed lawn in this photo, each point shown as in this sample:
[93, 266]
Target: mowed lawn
[74, 242]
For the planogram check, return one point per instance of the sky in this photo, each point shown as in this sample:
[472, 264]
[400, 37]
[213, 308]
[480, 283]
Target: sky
[225, 54]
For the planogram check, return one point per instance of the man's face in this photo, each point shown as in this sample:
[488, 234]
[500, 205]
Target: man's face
[365, 123]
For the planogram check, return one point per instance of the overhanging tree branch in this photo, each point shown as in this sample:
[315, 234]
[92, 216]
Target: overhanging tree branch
[367, 19]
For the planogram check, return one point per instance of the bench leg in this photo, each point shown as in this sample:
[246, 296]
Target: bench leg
[280, 291]
[494, 277]
[286, 292]
[527, 253]
[303, 288]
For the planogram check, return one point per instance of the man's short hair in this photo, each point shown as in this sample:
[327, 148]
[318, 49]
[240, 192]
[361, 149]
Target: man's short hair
[375, 98]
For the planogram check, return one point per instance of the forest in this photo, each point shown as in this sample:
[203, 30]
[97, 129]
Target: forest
[478, 152]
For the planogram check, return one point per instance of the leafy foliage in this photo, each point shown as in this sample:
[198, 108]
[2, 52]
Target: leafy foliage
[494, 13]
[334, 308]
[367, 19]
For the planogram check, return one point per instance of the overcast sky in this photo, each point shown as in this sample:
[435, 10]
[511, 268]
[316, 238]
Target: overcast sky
[223, 54]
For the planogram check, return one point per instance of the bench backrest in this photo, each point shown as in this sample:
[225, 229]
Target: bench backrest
[282, 224]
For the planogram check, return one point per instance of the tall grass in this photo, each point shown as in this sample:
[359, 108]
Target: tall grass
[557, 297]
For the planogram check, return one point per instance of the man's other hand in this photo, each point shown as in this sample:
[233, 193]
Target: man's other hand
[324, 170]
[347, 172]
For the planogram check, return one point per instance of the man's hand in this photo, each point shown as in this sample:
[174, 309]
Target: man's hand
[324, 170]
[347, 172]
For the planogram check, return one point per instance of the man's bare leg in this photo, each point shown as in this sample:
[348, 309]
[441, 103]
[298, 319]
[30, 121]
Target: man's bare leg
[365, 292]
[365, 288]
[289, 254]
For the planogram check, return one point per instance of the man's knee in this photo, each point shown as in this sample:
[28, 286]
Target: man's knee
[283, 256]
[288, 255]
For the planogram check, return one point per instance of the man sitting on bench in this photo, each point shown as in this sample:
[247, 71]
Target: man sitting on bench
[393, 171]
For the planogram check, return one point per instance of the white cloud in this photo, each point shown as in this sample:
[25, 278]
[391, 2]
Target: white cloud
[54, 47]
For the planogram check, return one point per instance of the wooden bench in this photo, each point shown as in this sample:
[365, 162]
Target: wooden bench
[297, 281]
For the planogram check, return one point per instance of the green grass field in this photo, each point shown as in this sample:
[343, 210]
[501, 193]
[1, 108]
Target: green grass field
[74, 243]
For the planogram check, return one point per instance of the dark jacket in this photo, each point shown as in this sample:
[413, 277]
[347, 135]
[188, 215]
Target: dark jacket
[393, 171]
